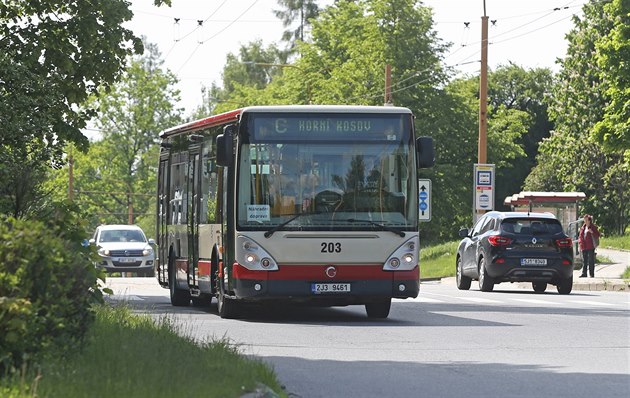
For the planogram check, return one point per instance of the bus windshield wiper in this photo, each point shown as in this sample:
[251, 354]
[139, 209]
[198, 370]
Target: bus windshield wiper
[282, 225]
[381, 226]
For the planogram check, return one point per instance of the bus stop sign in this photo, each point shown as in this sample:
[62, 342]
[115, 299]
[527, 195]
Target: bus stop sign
[424, 200]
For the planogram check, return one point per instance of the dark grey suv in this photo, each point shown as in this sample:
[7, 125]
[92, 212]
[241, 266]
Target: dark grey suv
[515, 247]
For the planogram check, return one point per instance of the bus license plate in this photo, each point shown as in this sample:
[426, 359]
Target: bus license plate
[318, 288]
[533, 261]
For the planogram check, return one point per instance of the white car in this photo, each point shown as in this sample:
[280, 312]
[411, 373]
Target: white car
[124, 248]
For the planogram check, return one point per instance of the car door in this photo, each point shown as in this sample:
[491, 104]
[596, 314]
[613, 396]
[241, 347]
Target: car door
[469, 258]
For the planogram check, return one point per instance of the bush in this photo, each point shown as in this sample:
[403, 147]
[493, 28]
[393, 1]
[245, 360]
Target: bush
[48, 284]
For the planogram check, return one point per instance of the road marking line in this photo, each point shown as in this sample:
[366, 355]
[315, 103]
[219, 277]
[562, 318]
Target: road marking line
[536, 301]
[479, 300]
[591, 302]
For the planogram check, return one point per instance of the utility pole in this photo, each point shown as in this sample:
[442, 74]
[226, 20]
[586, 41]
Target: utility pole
[388, 85]
[481, 198]
[482, 156]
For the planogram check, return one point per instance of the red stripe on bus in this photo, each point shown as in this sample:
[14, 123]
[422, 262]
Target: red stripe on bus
[216, 120]
[318, 272]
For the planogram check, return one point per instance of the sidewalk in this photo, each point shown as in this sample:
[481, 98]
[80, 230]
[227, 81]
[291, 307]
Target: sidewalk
[607, 276]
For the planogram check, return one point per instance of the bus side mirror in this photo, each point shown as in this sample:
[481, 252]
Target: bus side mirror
[225, 146]
[425, 153]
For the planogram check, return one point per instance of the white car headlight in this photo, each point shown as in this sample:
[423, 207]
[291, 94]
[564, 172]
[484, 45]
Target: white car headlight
[147, 251]
[103, 252]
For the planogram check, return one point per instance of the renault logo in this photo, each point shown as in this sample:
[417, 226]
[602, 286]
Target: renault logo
[534, 241]
[331, 272]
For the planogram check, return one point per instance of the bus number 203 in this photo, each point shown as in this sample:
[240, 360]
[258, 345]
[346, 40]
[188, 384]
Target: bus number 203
[331, 247]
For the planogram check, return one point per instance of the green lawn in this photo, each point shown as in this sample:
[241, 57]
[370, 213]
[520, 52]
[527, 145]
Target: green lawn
[132, 356]
[616, 242]
[438, 261]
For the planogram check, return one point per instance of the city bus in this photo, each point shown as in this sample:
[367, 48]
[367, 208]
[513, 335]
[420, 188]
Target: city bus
[306, 204]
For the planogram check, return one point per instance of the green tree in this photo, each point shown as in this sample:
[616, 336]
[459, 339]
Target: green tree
[247, 68]
[613, 53]
[53, 55]
[515, 90]
[119, 171]
[301, 10]
[580, 156]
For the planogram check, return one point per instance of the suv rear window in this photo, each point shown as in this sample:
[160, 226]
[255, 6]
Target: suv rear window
[531, 227]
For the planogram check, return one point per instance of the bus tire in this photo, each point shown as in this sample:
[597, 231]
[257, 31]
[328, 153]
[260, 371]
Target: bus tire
[379, 309]
[179, 297]
[227, 307]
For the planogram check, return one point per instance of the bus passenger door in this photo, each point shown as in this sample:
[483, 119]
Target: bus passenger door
[194, 181]
[162, 221]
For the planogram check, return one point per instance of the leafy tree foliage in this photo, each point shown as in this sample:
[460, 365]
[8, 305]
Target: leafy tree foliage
[251, 67]
[613, 53]
[301, 10]
[47, 286]
[119, 171]
[513, 90]
[53, 54]
[586, 151]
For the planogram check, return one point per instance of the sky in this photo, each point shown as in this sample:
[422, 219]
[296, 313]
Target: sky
[194, 36]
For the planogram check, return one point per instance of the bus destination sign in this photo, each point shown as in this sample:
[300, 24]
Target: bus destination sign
[328, 126]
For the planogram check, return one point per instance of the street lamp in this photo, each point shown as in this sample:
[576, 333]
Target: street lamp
[308, 82]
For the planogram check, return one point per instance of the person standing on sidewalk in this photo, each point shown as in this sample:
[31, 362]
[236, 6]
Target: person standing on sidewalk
[588, 238]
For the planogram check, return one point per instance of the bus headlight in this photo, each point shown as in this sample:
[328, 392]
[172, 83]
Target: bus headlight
[405, 258]
[252, 256]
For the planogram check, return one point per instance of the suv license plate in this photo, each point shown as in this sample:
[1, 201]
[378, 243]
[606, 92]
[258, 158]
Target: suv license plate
[318, 288]
[533, 261]
[127, 260]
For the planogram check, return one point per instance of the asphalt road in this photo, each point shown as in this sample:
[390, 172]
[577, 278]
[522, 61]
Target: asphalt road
[447, 343]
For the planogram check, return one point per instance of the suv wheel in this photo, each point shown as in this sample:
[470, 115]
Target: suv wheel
[565, 285]
[463, 282]
[486, 284]
[539, 287]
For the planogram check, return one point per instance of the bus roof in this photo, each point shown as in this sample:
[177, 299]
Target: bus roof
[234, 115]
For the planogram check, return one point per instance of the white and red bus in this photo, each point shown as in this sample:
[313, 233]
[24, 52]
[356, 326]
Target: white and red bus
[307, 204]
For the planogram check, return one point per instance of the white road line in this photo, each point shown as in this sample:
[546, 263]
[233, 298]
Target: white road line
[421, 299]
[536, 301]
[589, 302]
[479, 300]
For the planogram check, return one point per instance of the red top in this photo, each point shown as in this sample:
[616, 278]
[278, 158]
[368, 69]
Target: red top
[585, 237]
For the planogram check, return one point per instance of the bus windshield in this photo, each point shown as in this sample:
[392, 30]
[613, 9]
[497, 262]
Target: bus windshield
[332, 185]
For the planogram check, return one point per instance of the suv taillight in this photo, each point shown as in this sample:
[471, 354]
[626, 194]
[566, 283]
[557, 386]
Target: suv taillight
[498, 240]
[564, 242]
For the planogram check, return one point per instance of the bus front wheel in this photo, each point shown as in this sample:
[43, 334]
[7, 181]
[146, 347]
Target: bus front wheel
[226, 306]
[179, 297]
[379, 309]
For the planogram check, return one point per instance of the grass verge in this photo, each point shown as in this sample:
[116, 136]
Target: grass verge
[438, 261]
[132, 356]
[616, 242]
